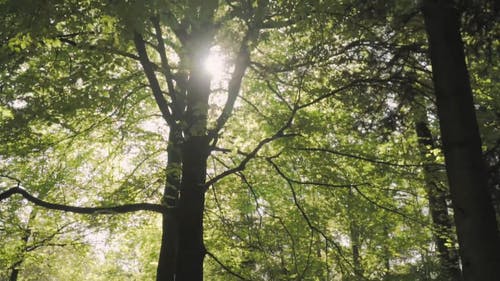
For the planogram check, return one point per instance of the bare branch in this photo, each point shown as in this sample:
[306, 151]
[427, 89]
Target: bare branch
[322, 184]
[304, 214]
[127, 208]
[391, 210]
[105, 49]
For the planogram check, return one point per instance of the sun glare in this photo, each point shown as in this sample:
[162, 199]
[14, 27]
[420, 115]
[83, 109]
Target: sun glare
[216, 65]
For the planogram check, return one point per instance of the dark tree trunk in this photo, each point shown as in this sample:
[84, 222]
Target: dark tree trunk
[474, 216]
[441, 220]
[167, 264]
[191, 206]
[14, 274]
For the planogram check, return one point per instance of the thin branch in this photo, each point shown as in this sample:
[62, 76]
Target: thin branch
[98, 48]
[225, 267]
[18, 181]
[363, 158]
[304, 214]
[127, 208]
[279, 134]
[330, 94]
[323, 184]
[391, 210]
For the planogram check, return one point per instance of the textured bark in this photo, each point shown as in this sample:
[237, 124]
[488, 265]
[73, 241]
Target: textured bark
[167, 263]
[474, 216]
[191, 206]
[441, 220]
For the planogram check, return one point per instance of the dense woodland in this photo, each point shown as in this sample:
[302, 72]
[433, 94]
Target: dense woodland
[195, 140]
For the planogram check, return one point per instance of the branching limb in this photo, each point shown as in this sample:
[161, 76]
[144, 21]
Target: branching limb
[122, 209]
[106, 49]
[279, 134]
[388, 209]
[153, 80]
[305, 216]
[163, 57]
[322, 184]
[241, 64]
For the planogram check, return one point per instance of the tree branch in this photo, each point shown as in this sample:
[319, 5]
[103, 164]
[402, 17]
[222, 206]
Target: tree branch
[106, 49]
[122, 209]
[359, 157]
[304, 215]
[279, 134]
[163, 57]
[241, 64]
[153, 81]
[225, 267]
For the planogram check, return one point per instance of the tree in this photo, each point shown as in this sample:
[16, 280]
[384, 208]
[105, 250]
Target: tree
[182, 96]
[474, 216]
[300, 163]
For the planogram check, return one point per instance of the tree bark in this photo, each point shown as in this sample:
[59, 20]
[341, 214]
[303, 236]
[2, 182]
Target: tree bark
[191, 206]
[167, 263]
[474, 216]
[441, 220]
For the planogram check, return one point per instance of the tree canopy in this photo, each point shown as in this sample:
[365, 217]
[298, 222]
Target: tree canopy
[249, 140]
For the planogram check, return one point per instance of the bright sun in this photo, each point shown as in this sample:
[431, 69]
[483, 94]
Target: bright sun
[216, 64]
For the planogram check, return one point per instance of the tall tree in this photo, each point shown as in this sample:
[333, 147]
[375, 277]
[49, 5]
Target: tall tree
[474, 216]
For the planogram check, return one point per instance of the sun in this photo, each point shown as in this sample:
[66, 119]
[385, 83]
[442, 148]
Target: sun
[216, 65]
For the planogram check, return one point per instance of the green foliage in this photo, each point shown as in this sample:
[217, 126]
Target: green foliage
[343, 80]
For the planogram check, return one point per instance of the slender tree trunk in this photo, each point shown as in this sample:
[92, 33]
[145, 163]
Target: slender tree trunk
[354, 233]
[474, 216]
[14, 274]
[387, 254]
[441, 220]
[355, 246]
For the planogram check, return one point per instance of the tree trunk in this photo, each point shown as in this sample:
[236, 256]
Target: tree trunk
[441, 220]
[355, 246]
[354, 233]
[195, 151]
[167, 263]
[191, 206]
[14, 274]
[474, 216]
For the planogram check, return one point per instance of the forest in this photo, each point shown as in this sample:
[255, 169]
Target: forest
[221, 140]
